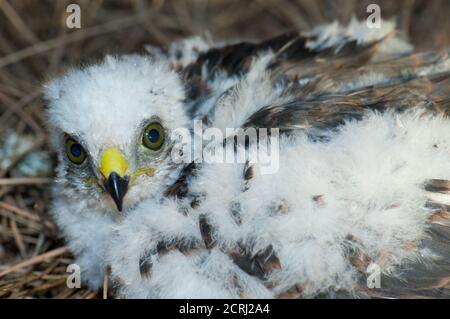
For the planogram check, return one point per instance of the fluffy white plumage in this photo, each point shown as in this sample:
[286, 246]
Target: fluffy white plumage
[366, 182]
[351, 196]
[105, 105]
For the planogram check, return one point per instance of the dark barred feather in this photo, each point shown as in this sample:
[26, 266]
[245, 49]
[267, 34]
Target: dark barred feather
[329, 110]
[324, 88]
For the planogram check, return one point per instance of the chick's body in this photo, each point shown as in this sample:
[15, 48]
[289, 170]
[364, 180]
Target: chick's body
[357, 178]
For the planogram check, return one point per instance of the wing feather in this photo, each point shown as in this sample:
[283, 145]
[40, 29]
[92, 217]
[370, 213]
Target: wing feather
[324, 88]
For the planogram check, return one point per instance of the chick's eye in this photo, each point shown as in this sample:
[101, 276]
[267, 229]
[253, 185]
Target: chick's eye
[153, 137]
[75, 152]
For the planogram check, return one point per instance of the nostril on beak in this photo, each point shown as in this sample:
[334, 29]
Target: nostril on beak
[117, 187]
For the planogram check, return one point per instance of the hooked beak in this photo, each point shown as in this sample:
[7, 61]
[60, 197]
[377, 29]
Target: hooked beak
[117, 187]
[113, 167]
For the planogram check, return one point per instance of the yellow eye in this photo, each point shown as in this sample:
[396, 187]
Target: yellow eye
[75, 151]
[153, 137]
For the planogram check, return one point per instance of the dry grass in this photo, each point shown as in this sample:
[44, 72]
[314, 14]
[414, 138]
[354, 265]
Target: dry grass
[35, 45]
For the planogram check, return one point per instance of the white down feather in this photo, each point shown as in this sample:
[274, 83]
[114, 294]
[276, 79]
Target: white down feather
[365, 182]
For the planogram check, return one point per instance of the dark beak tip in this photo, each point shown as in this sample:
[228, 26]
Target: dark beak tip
[117, 187]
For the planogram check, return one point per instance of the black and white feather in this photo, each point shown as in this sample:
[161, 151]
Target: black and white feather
[363, 177]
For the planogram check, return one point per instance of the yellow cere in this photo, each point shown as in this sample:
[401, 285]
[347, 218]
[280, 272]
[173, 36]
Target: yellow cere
[112, 160]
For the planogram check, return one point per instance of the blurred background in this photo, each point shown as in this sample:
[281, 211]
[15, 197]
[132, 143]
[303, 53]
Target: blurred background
[35, 45]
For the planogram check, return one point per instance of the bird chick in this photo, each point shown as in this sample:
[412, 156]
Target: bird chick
[361, 182]
[110, 124]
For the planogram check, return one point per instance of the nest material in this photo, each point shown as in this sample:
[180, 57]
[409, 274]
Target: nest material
[35, 45]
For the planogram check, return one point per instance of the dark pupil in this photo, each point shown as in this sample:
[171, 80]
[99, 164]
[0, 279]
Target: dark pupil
[153, 135]
[75, 149]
